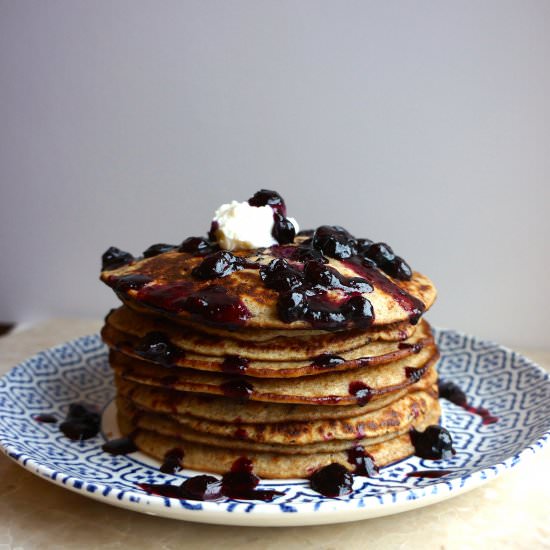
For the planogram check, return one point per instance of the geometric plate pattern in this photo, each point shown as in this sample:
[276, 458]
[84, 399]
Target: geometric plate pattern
[513, 388]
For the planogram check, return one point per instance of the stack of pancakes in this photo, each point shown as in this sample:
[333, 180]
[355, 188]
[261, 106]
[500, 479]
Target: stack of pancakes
[231, 379]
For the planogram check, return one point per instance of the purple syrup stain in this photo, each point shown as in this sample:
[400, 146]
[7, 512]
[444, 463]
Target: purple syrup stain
[235, 364]
[433, 474]
[82, 422]
[125, 283]
[241, 483]
[434, 443]
[161, 489]
[173, 461]
[451, 392]
[240, 433]
[201, 487]
[415, 348]
[333, 480]
[237, 389]
[414, 374]
[327, 360]
[361, 391]
[45, 418]
[364, 463]
[120, 446]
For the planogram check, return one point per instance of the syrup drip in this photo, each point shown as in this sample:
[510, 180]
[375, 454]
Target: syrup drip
[121, 446]
[173, 461]
[429, 473]
[46, 418]
[451, 392]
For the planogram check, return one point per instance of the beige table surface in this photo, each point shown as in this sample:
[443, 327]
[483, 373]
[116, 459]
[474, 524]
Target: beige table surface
[512, 511]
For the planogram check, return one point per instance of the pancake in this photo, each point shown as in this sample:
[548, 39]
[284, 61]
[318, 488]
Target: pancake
[223, 409]
[374, 353]
[367, 383]
[166, 282]
[278, 348]
[396, 416]
[272, 465]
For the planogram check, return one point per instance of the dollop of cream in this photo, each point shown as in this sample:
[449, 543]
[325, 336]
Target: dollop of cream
[245, 227]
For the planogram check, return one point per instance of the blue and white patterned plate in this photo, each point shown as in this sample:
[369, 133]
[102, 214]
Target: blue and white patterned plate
[510, 386]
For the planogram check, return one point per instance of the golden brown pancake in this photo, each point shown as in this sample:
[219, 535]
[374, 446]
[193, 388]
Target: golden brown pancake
[374, 353]
[170, 282]
[338, 388]
[397, 416]
[210, 458]
[231, 411]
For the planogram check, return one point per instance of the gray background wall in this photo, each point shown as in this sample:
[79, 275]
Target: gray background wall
[424, 124]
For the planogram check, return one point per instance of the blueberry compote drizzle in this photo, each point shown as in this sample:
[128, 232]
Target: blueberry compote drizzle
[414, 374]
[241, 483]
[45, 418]
[114, 258]
[218, 264]
[411, 305]
[333, 480]
[157, 347]
[429, 473]
[82, 422]
[125, 283]
[237, 389]
[197, 246]
[361, 391]
[173, 461]
[156, 249]
[364, 462]
[202, 487]
[415, 348]
[266, 197]
[211, 304]
[327, 360]
[434, 443]
[451, 392]
[235, 364]
[120, 446]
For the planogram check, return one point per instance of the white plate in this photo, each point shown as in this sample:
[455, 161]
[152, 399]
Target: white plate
[510, 386]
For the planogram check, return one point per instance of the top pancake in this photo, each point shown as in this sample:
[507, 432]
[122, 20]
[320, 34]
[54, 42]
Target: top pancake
[170, 282]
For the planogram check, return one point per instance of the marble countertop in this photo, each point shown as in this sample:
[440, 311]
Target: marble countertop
[512, 511]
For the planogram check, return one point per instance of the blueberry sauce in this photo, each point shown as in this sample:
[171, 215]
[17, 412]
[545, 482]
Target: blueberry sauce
[384, 257]
[157, 347]
[434, 443]
[266, 197]
[303, 252]
[201, 487]
[451, 392]
[364, 462]
[237, 389]
[433, 474]
[241, 483]
[45, 418]
[156, 249]
[82, 422]
[280, 275]
[283, 229]
[197, 246]
[414, 374]
[129, 282]
[235, 364]
[114, 258]
[216, 265]
[411, 305]
[333, 480]
[173, 461]
[361, 391]
[334, 241]
[415, 348]
[240, 433]
[120, 446]
[214, 226]
[212, 304]
[327, 360]
[162, 489]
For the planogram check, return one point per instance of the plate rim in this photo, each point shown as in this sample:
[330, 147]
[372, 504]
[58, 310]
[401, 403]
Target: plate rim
[273, 513]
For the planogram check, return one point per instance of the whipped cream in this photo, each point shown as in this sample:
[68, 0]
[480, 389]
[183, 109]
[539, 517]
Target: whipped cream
[244, 227]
